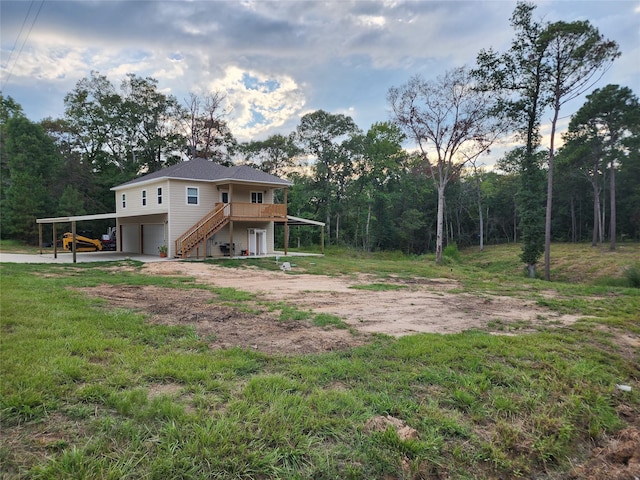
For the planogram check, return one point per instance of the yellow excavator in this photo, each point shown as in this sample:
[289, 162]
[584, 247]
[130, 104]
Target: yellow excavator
[83, 244]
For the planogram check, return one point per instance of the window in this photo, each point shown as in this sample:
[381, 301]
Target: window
[192, 196]
[144, 198]
[225, 197]
[159, 195]
[256, 197]
[124, 200]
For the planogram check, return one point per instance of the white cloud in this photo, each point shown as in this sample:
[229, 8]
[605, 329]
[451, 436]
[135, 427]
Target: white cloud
[376, 21]
[258, 102]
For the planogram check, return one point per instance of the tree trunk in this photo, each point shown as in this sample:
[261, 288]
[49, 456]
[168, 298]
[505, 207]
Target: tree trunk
[596, 208]
[440, 222]
[481, 218]
[328, 222]
[547, 222]
[366, 234]
[515, 224]
[612, 201]
[603, 214]
[574, 238]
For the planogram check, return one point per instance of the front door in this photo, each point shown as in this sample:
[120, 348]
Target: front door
[257, 241]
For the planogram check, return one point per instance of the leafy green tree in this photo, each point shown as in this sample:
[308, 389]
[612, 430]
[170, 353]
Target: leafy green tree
[103, 131]
[576, 54]
[128, 132]
[154, 122]
[32, 169]
[517, 77]
[583, 153]
[379, 166]
[573, 188]
[275, 155]
[628, 189]
[71, 203]
[9, 109]
[329, 139]
[601, 132]
[76, 171]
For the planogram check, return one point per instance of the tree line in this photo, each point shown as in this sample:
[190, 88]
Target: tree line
[414, 183]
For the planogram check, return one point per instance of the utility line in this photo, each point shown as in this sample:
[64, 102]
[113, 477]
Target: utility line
[6, 80]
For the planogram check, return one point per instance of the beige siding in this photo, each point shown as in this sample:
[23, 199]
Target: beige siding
[182, 215]
[242, 193]
[134, 200]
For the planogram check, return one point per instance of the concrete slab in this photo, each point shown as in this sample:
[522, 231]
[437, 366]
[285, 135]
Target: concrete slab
[83, 257]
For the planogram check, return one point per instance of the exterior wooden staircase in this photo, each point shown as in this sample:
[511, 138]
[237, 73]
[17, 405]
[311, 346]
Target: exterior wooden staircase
[202, 230]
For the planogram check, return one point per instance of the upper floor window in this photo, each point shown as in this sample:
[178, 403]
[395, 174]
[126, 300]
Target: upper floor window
[144, 198]
[192, 195]
[124, 200]
[224, 197]
[159, 195]
[256, 197]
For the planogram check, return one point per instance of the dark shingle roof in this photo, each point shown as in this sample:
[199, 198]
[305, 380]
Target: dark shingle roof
[203, 170]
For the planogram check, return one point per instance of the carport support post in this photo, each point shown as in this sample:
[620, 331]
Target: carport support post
[40, 237]
[55, 242]
[322, 241]
[73, 240]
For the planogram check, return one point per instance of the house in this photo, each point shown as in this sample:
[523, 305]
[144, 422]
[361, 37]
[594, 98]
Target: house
[199, 208]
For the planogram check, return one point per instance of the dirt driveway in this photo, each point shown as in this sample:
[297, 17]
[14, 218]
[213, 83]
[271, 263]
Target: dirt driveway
[416, 306]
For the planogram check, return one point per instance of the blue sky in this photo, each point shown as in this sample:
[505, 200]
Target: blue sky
[276, 60]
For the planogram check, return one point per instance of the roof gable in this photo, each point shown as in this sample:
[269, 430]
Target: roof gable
[201, 169]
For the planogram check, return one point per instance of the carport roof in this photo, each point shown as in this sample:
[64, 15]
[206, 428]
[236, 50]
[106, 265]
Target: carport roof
[301, 221]
[76, 218]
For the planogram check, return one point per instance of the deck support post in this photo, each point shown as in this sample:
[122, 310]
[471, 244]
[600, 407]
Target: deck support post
[286, 225]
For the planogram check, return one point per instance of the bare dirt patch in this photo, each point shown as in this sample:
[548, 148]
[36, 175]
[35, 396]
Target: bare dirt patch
[424, 306]
[618, 457]
[223, 326]
[419, 306]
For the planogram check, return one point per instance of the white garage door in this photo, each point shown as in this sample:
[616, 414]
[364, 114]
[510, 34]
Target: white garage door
[152, 238]
[130, 238]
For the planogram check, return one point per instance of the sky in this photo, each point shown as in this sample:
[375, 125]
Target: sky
[275, 60]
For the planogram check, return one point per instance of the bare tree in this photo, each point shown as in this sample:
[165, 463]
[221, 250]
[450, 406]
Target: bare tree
[452, 124]
[209, 135]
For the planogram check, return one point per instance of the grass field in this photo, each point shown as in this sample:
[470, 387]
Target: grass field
[89, 391]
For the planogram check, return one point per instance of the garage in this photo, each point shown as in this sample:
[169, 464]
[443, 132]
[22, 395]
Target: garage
[153, 237]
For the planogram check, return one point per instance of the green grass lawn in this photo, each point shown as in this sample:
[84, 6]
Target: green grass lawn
[93, 392]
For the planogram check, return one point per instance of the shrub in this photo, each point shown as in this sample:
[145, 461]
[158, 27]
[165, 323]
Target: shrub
[452, 252]
[632, 274]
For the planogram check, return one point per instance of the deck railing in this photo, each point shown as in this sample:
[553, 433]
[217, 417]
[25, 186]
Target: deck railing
[239, 210]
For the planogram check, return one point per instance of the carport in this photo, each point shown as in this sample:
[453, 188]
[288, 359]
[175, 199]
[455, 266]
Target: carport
[73, 221]
[301, 221]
